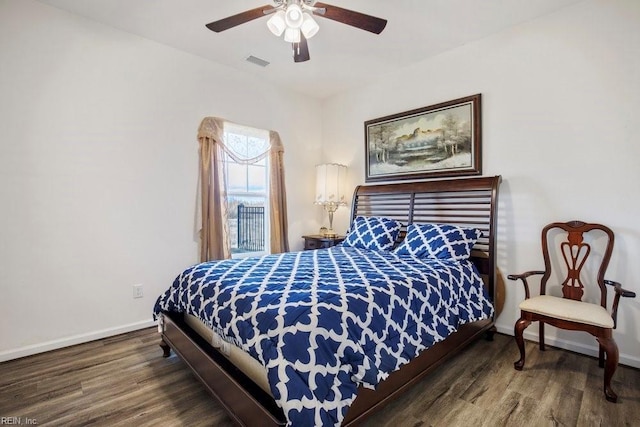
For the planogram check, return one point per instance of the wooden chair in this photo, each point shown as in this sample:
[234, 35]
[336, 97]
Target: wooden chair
[569, 311]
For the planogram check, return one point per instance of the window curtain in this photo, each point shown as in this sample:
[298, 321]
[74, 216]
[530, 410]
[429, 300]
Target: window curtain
[214, 232]
[277, 196]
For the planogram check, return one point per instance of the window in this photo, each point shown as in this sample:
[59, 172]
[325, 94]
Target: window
[247, 182]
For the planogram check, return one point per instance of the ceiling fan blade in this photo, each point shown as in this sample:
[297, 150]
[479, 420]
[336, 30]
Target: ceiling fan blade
[349, 17]
[301, 50]
[240, 18]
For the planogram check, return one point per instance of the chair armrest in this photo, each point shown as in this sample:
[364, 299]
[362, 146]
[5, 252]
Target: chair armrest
[523, 277]
[620, 292]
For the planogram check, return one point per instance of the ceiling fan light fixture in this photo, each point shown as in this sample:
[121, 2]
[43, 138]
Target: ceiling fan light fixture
[309, 26]
[293, 16]
[292, 35]
[277, 24]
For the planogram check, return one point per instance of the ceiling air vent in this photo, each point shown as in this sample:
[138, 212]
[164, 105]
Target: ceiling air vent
[258, 61]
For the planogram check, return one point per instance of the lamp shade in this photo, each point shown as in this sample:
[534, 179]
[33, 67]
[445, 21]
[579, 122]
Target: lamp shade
[293, 16]
[292, 35]
[277, 24]
[309, 26]
[331, 184]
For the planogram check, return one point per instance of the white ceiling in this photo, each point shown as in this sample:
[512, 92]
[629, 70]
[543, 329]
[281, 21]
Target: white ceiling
[341, 56]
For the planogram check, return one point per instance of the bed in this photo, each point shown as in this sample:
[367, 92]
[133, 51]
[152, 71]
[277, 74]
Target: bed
[374, 322]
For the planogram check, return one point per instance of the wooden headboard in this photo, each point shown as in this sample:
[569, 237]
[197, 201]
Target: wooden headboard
[469, 202]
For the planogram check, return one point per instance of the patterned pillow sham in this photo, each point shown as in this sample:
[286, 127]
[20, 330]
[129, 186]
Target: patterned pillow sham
[443, 241]
[373, 233]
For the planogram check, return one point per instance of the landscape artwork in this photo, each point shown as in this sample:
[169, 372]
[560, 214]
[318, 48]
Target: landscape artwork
[435, 141]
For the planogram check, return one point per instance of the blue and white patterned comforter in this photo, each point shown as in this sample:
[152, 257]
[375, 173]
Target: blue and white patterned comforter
[325, 322]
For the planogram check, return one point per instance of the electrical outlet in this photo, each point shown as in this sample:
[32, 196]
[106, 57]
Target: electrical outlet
[137, 291]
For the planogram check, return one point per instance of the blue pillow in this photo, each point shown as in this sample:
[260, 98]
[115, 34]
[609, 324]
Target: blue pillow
[442, 241]
[373, 233]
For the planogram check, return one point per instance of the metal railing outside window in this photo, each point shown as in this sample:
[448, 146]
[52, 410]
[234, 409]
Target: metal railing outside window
[250, 228]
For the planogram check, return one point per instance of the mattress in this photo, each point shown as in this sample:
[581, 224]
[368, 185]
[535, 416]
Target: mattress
[241, 359]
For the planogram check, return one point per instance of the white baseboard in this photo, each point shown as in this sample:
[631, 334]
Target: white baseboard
[72, 340]
[625, 359]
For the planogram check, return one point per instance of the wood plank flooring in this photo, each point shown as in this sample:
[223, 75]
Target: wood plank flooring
[125, 381]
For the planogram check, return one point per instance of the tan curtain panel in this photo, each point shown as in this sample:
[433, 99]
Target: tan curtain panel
[214, 232]
[278, 200]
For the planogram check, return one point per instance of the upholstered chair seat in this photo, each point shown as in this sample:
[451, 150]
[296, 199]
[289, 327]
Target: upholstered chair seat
[568, 309]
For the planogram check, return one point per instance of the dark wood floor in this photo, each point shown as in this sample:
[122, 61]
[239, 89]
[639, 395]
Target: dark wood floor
[124, 381]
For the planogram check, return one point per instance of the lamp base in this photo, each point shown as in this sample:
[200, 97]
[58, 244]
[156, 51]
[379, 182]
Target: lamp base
[330, 233]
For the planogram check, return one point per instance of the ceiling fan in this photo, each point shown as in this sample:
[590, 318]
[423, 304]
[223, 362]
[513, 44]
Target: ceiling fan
[293, 19]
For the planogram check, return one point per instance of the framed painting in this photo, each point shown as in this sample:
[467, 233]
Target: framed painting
[431, 142]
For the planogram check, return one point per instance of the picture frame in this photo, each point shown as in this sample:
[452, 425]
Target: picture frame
[440, 140]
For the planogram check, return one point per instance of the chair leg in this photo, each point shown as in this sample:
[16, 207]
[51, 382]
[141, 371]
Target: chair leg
[541, 336]
[518, 329]
[611, 349]
[601, 356]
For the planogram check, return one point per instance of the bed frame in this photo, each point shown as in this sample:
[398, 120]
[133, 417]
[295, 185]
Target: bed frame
[463, 201]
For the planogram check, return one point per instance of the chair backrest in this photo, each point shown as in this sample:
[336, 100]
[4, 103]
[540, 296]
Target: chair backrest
[575, 252]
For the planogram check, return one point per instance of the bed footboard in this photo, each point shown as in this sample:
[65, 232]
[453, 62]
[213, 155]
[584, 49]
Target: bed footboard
[247, 403]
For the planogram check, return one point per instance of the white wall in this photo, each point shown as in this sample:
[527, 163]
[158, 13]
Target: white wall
[98, 170]
[560, 100]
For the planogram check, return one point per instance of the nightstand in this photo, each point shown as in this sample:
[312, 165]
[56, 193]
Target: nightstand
[318, 241]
